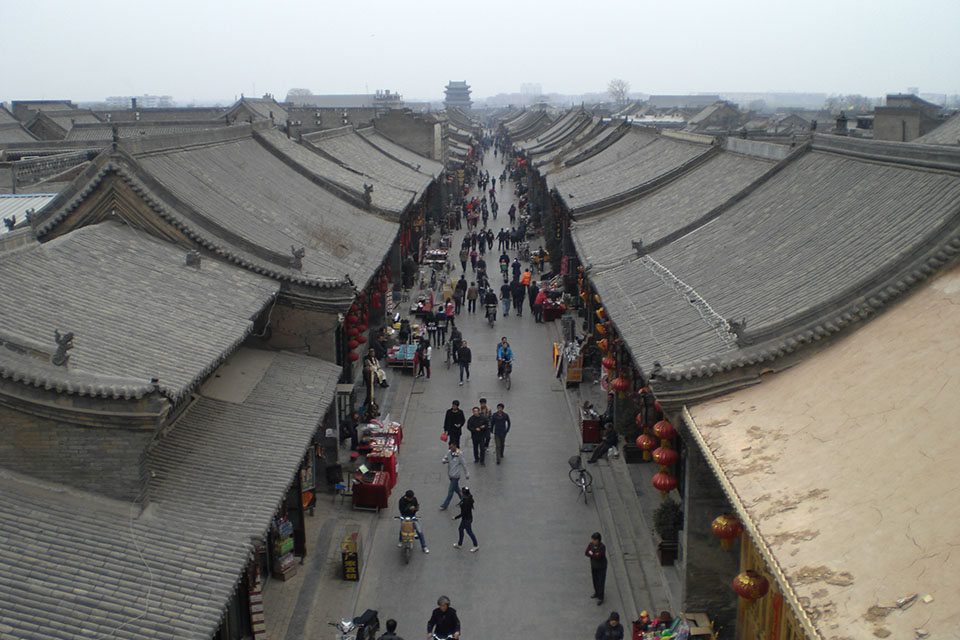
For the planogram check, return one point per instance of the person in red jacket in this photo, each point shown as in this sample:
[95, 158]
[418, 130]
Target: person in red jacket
[538, 305]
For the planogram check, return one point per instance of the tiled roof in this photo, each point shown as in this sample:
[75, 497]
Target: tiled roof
[594, 157]
[104, 131]
[591, 140]
[14, 132]
[825, 242]
[68, 119]
[353, 151]
[607, 239]
[16, 206]
[249, 198]
[946, 133]
[76, 565]
[266, 108]
[184, 322]
[423, 164]
[348, 182]
[562, 132]
[588, 187]
[6, 117]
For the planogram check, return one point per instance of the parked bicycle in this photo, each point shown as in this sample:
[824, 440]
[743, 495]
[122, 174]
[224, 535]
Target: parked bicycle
[580, 477]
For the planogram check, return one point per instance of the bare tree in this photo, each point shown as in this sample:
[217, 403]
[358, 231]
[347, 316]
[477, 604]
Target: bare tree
[619, 90]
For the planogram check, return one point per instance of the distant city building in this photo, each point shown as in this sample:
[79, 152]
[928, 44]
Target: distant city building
[531, 89]
[143, 102]
[382, 99]
[457, 95]
[904, 118]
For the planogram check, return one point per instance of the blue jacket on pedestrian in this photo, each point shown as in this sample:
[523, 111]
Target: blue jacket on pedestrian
[500, 423]
[504, 353]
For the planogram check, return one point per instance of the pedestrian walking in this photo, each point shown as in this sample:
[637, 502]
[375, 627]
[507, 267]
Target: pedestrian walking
[453, 422]
[432, 327]
[391, 633]
[500, 423]
[538, 305]
[473, 259]
[518, 291]
[441, 319]
[464, 254]
[611, 629]
[532, 292]
[423, 354]
[466, 519]
[479, 428]
[597, 552]
[450, 313]
[505, 297]
[464, 358]
[459, 293]
[456, 341]
[472, 294]
[456, 467]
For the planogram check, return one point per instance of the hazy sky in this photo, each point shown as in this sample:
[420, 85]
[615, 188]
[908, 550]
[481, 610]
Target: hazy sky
[208, 50]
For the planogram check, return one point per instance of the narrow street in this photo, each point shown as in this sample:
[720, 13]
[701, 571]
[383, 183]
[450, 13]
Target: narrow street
[530, 576]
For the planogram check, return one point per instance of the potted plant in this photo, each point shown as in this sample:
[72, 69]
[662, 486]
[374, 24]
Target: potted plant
[667, 522]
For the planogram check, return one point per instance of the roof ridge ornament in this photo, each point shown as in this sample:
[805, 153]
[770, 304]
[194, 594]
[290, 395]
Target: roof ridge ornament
[64, 344]
[367, 193]
[739, 330]
[298, 257]
[193, 258]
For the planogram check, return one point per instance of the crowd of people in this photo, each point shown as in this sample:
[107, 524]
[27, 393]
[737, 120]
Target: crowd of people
[515, 289]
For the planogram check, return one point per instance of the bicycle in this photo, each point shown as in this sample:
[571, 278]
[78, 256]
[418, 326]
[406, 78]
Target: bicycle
[580, 477]
[507, 370]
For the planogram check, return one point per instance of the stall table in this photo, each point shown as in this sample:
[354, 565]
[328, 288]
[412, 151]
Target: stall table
[401, 356]
[388, 462]
[375, 494]
[553, 310]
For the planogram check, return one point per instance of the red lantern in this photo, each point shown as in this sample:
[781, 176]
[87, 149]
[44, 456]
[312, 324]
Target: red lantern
[726, 527]
[665, 431]
[376, 300]
[353, 356]
[609, 363]
[352, 344]
[665, 457]
[664, 482]
[646, 443]
[361, 339]
[362, 327]
[750, 585]
[353, 332]
[353, 308]
[620, 384]
[353, 318]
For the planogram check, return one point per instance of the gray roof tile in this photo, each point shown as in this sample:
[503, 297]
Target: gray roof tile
[183, 323]
[70, 562]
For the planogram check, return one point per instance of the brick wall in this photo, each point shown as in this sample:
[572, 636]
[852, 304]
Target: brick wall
[409, 131]
[104, 460]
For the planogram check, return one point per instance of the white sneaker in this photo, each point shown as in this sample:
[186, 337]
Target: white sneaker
[426, 550]
[399, 544]
[456, 545]
[474, 549]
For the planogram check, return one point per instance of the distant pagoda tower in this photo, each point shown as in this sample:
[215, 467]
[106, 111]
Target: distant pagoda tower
[458, 95]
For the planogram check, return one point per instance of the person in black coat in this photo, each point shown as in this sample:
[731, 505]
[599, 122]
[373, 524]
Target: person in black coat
[464, 357]
[597, 552]
[444, 620]
[453, 422]
[517, 290]
[611, 629]
[607, 440]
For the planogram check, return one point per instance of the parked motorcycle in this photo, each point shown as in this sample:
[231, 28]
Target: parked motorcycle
[363, 627]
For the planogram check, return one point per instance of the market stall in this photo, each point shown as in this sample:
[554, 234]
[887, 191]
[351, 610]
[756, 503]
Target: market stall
[401, 356]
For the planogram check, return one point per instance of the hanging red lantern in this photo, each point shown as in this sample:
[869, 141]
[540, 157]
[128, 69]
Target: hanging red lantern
[353, 356]
[646, 443]
[726, 527]
[353, 332]
[665, 457]
[376, 300]
[352, 344]
[361, 339]
[362, 327]
[353, 319]
[620, 384]
[665, 431]
[750, 585]
[664, 482]
[609, 363]
[353, 308]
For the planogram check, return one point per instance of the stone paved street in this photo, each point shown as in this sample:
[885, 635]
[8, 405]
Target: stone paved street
[530, 576]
